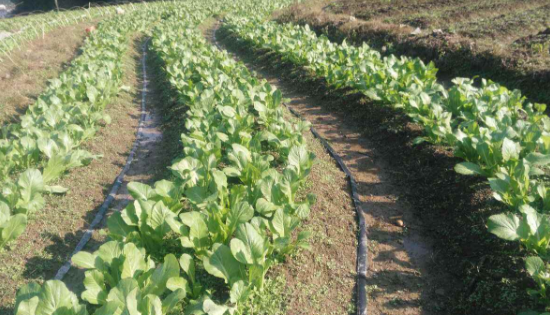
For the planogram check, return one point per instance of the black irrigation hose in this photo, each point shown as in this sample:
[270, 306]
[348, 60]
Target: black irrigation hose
[120, 178]
[362, 250]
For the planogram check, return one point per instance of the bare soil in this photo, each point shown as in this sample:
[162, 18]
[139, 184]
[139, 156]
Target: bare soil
[25, 74]
[443, 260]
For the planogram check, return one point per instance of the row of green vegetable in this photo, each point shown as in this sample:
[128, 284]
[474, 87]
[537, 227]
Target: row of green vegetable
[498, 133]
[45, 143]
[25, 28]
[202, 242]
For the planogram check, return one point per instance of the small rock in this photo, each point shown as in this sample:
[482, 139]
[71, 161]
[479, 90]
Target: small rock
[400, 223]
[440, 292]
[352, 18]
[4, 34]
[416, 31]
[437, 31]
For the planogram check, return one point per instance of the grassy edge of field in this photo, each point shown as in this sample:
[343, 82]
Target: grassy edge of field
[452, 59]
[26, 74]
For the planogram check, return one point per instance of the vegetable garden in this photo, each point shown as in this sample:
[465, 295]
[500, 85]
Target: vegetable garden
[205, 238]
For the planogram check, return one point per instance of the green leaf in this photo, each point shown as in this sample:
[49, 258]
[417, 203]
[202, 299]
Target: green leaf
[277, 98]
[118, 226]
[499, 185]
[166, 189]
[169, 269]
[227, 111]
[158, 220]
[239, 292]
[301, 158]
[55, 189]
[538, 159]
[111, 308]
[27, 307]
[222, 264]
[188, 266]
[141, 191]
[27, 299]
[172, 300]
[277, 223]
[265, 207]
[31, 183]
[468, 168]
[248, 246]
[110, 251]
[507, 226]
[198, 229]
[134, 261]
[239, 213]
[510, 150]
[150, 305]
[5, 212]
[212, 308]
[54, 296]
[84, 260]
[12, 228]
[534, 266]
[96, 291]
[122, 290]
[177, 283]
[231, 172]
[241, 252]
[91, 93]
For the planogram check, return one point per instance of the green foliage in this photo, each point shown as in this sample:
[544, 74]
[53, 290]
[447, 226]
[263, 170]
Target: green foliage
[497, 133]
[45, 144]
[231, 204]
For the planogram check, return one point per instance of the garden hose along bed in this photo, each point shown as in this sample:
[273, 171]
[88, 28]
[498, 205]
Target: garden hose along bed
[120, 178]
[362, 251]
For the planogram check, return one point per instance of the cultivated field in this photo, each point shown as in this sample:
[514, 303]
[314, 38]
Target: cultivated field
[209, 157]
[505, 40]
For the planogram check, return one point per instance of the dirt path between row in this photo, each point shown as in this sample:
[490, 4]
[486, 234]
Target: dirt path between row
[399, 258]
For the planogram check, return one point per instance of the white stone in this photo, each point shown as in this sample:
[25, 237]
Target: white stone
[416, 31]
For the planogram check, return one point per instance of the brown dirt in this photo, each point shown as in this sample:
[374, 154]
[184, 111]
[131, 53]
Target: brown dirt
[53, 233]
[26, 74]
[455, 51]
[444, 261]
[322, 280]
